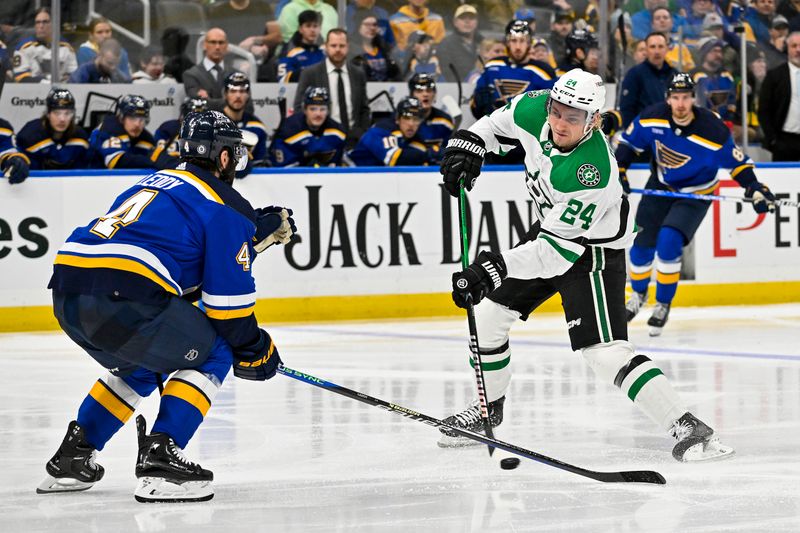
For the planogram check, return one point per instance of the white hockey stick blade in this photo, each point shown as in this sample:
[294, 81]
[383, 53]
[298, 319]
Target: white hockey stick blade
[64, 484]
[160, 490]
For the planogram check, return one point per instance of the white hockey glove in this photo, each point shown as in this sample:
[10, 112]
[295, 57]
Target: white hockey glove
[274, 225]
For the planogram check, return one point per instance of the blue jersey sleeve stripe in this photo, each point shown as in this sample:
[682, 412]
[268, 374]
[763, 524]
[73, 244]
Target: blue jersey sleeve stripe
[115, 263]
[223, 301]
[229, 314]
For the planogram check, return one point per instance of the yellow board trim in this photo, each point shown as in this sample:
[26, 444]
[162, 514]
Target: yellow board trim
[399, 306]
[188, 394]
[111, 403]
[117, 263]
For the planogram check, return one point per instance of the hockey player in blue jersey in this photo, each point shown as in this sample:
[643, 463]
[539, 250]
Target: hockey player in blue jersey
[236, 89]
[122, 290]
[395, 142]
[689, 144]
[14, 165]
[437, 126]
[507, 76]
[168, 133]
[121, 140]
[302, 50]
[310, 138]
[55, 141]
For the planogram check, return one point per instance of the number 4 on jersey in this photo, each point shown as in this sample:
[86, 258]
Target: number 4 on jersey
[127, 213]
[575, 208]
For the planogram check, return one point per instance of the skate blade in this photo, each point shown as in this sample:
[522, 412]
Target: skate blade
[64, 484]
[446, 441]
[710, 451]
[655, 331]
[160, 490]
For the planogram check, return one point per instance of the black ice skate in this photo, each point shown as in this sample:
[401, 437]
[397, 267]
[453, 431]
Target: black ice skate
[164, 472]
[658, 319]
[72, 468]
[634, 304]
[470, 419]
[696, 441]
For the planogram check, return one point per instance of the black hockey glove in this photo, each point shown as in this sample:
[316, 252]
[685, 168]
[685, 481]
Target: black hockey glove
[623, 180]
[763, 199]
[16, 169]
[258, 362]
[483, 276]
[463, 156]
[274, 225]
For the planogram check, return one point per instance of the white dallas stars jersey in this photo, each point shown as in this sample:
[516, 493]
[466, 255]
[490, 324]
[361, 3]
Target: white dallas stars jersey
[577, 194]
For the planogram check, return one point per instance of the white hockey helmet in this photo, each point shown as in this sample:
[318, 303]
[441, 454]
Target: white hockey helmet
[581, 90]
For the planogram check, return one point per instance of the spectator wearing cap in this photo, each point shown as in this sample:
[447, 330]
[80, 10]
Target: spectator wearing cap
[369, 51]
[346, 84]
[302, 50]
[310, 138]
[779, 105]
[678, 55]
[646, 83]
[437, 125]
[715, 88]
[204, 80]
[422, 58]
[775, 49]
[395, 142]
[791, 10]
[151, 61]
[560, 27]
[288, 19]
[358, 9]
[104, 68]
[714, 26]
[415, 16]
[759, 16]
[460, 47]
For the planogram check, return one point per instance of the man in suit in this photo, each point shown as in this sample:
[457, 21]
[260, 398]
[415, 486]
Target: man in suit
[779, 105]
[346, 83]
[205, 79]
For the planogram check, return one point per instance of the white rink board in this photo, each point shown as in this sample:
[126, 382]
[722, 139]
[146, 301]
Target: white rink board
[373, 231]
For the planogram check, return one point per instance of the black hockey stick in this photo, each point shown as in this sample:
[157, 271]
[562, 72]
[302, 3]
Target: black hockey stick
[477, 364]
[633, 476]
[707, 197]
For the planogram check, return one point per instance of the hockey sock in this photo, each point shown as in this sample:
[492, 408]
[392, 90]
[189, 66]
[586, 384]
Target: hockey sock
[668, 264]
[111, 402]
[189, 393]
[493, 322]
[496, 371]
[638, 377]
[641, 267]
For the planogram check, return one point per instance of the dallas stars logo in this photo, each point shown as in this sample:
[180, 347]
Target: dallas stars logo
[588, 175]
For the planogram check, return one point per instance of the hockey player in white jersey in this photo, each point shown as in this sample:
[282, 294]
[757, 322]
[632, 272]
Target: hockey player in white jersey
[576, 247]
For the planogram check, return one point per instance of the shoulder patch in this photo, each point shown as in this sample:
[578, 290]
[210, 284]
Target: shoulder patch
[588, 175]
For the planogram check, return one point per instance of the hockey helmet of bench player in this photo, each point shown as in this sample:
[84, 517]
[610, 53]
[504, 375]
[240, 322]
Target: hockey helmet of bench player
[681, 83]
[193, 105]
[410, 107]
[133, 105]
[236, 80]
[316, 96]
[579, 39]
[60, 98]
[205, 135]
[581, 90]
[421, 81]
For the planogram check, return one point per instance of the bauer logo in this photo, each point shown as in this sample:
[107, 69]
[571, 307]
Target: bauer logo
[191, 355]
[588, 175]
[462, 283]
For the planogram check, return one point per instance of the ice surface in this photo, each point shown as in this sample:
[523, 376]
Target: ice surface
[291, 457]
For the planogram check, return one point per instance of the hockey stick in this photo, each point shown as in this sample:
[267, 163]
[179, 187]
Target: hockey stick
[633, 476]
[707, 197]
[473, 328]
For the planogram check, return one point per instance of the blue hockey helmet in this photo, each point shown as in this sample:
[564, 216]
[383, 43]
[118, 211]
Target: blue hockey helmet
[421, 81]
[60, 98]
[410, 107]
[133, 105]
[681, 83]
[518, 27]
[316, 96]
[580, 39]
[193, 105]
[236, 80]
[207, 134]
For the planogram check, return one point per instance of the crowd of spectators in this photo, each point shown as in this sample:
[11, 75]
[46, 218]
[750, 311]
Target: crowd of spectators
[494, 49]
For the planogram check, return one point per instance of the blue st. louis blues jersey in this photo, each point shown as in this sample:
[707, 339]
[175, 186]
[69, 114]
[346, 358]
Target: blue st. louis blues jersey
[436, 129]
[296, 59]
[48, 153]
[685, 158]
[502, 79]
[176, 232]
[296, 144]
[111, 147]
[385, 145]
[166, 136]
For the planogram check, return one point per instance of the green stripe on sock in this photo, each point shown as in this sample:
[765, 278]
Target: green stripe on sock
[641, 381]
[496, 365]
[601, 307]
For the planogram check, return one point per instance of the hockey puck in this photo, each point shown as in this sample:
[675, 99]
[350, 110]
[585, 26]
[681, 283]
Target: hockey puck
[509, 463]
